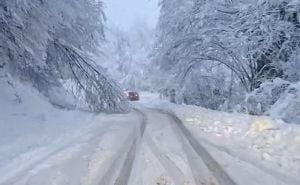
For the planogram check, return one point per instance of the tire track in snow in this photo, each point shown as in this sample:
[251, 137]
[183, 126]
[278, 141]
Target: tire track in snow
[127, 167]
[174, 172]
[164, 152]
[130, 155]
[283, 177]
[24, 170]
[215, 168]
[199, 171]
[110, 174]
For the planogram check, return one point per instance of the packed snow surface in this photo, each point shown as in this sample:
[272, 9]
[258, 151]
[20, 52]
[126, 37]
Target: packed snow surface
[41, 144]
[269, 144]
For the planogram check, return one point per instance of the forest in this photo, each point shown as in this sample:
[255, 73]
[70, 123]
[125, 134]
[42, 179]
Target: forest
[149, 92]
[232, 55]
[229, 55]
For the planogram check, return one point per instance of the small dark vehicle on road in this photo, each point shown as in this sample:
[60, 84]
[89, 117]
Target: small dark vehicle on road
[133, 96]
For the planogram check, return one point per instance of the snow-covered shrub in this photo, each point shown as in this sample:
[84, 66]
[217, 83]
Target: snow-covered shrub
[287, 107]
[202, 91]
[277, 98]
[262, 99]
[292, 67]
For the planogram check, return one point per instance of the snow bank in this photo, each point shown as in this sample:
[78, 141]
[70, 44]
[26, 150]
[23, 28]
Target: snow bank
[262, 142]
[270, 140]
[41, 144]
[29, 123]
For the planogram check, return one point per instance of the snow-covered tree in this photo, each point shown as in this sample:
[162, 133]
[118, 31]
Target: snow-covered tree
[127, 55]
[48, 42]
[216, 50]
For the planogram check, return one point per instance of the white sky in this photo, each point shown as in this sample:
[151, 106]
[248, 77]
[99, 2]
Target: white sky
[123, 13]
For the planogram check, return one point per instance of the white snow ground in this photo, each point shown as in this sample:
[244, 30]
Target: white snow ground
[263, 146]
[40, 144]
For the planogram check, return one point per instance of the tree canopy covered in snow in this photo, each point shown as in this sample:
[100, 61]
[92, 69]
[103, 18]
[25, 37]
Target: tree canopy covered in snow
[126, 55]
[50, 43]
[216, 52]
[233, 55]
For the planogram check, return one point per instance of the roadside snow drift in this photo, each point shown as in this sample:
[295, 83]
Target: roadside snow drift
[257, 140]
[270, 145]
[41, 144]
[30, 126]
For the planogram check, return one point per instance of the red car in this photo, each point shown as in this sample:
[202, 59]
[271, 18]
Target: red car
[133, 96]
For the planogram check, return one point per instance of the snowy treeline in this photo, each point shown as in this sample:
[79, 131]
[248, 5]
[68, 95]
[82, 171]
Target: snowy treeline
[222, 54]
[47, 44]
[127, 55]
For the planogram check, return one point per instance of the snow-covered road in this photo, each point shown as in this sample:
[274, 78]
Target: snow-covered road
[170, 155]
[43, 145]
[145, 147]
